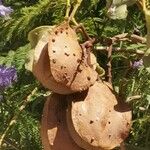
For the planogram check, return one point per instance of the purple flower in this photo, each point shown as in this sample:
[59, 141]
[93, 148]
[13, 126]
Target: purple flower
[8, 75]
[137, 64]
[5, 11]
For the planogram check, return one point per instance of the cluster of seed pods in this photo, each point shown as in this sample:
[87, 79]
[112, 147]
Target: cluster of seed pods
[83, 112]
[60, 63]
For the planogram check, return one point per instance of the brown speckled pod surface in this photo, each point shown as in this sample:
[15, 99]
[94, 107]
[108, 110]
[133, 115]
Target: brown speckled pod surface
[67, 63]
[61, 63]
[54, 132]
[97, 119]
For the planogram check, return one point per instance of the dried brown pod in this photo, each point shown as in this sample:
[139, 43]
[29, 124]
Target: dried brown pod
[68, 61]
[39, 59]
[96, 119]
[54, 132]
[41, 69]
[61, 64]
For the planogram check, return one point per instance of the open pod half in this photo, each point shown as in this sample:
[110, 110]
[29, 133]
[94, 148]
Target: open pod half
[54, 131]
[96, 119]
[61, 64]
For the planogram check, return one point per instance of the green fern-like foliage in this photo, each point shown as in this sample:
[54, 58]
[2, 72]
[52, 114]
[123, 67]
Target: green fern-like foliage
[14, 31]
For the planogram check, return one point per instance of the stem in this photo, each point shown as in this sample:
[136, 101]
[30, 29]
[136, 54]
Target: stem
[109, 73]
[15, 117]
[147, 17]
[83, 31]
[74, 11]
[68, 6]
[13, 145]
[132, 98]
[127, 37]
[119, 50]
[148, 30]
[100, 70]
[123, 31]
[74, 21]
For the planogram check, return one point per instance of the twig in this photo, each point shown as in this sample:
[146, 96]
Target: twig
[109, 73]
[129, 37]
[15, 117]
[139, 4]
[68, 6]
[74, 21]
[123, 31]
[11, 144]
[118, 50]
[71, 17]
[80, 28]
[137, 39]
[100, 70]
[135, 97]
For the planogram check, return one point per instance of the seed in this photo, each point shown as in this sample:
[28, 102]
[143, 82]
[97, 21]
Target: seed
[91, 121]
[92, 140]
[54, 61]
[89, 78]
[66, 54]
[128, 123]
[79, 69]
[78, 60]
[56, 32]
